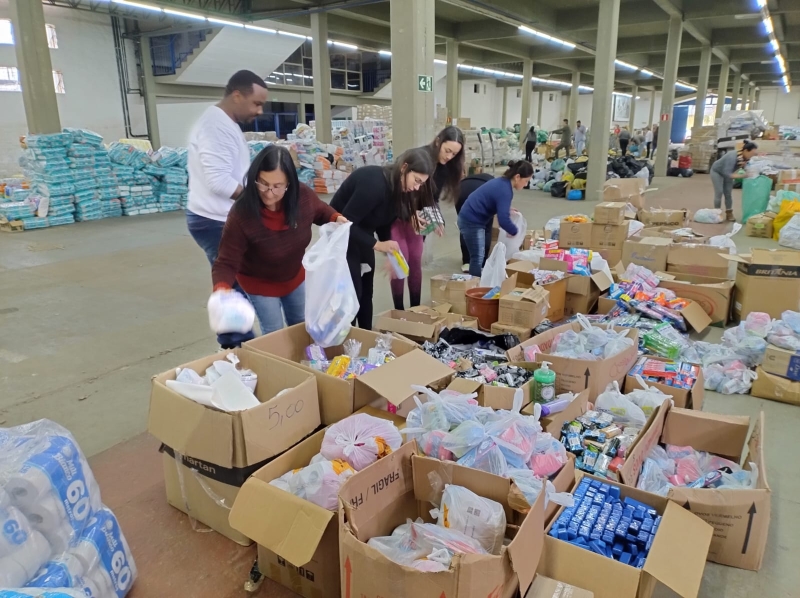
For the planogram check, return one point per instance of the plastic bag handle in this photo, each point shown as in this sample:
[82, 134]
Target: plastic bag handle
[584, 321]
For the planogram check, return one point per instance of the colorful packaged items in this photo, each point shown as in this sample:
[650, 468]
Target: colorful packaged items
[398, 264]
[677, 374]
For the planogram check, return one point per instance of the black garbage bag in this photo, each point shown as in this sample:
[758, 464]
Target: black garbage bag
[470, 337]
[673, 171]
[559, 189]
[577, 167]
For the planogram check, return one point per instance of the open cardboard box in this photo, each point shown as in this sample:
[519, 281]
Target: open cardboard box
[449, 319]
[650, 252]
[740, 517]
[775, 388]
[575, 234]
[339, 398]
[544, 587]
[453, 292]
[576, 375]
[405, 486]
[712, 294]
[625, 190]
[669, 232]
[688, 399]
[418, 327]
[558, 290]
[662, 216]
[676, 559]
[209, 452]
[497, 397]
[767, 280]
[582, 291]
[700, 260]
[610, 212]
[525, 308]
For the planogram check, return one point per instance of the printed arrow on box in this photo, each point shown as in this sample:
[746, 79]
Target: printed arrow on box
[751, 512]
[587, 373]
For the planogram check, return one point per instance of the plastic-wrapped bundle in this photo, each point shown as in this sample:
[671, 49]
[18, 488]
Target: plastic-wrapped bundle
[174, 189]
[154, 170]
[57, 534]
[318, 482]
[59, 220]
[177, 176]
[549, 456]
[85, 136]
[228, 311]
[33, 223]
[17, 210]
[531, 487]
[49, 140]
[166, 156]
[360, 440]
[648, 398]
[430, 444]
[85, 184]
[77, 150]
[482, 519]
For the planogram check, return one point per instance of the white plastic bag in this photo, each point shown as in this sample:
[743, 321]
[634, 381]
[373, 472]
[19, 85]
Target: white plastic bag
[229, 311]
[634, 227]
[331, 300]
[494, 272]
[644, 174]
[789, 236]
[620, 407]
[514, 243]
[531, 486]
[648, 398]
[709, 216]
[360, 440]
[318, 483]
[725, 240]
[477, 517]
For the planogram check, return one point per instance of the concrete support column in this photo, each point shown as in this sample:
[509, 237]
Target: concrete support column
[503, 123]
[737, 87]
[525, 113]
[451, 97]
[723, 87]
[35, 68]
[702, 87]
[607, 29]
[539, 110]
[572, 114]
[148, 87]
[412, 23]
[632, 120]
[757, 96]
[301, 113]
[668, 94]
[751, 98]
[321, 69]
[652, 108]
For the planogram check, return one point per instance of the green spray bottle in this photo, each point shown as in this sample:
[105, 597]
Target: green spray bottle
[544, 384]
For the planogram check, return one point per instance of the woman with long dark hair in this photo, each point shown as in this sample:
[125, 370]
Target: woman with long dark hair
[490, 200]
[530, 143]
[265, 237]
[373, 198]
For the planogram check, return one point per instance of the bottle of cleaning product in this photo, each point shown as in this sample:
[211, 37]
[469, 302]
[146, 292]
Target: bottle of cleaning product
[544, 384]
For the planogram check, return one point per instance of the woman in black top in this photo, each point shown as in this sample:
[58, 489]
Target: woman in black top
[467, 186]
[372, 198]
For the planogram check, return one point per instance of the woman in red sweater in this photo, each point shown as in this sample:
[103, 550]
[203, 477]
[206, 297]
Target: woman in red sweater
[265, 237]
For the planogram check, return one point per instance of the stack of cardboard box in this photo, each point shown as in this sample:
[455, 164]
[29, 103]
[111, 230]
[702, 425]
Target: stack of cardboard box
[521, 310]
[605, 235]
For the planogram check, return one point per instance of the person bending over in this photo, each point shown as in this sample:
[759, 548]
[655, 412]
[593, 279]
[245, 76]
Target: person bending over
[724, 171]
[467, 187]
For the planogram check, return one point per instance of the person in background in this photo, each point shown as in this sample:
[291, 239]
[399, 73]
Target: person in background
[580, 138]
[624, 140]
[655, 141]
[724, 171]
[469, 185]
[648, 140]
[530, 143]
[490, 200]
[219, 157]
[372, 198]
[447, 153]
[566, 139]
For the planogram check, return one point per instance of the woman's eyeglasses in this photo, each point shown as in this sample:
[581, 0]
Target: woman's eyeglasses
[277, 190]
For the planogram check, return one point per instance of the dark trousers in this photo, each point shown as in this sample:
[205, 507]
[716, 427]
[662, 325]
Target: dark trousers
[464, 249]
[478, 238]
[529, 147]
[649, 146]
[364, 286]
[623, 145]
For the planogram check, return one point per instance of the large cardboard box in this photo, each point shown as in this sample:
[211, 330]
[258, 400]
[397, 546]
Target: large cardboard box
[700, 260]
[760, 225]
[446, 290]
[775, 388]
[419, 327]
[676, 559]
[557, 290]
[609, 236]
[449, 319]
[677, 235]
[782, 362]
[688, 399]
[766, 280]
[662, 217]
[576, 375]
[525, 308]
[712, 294]
[575, 234]
[626, 191]
[544, 587]
[650, 252]
[521, 332]
[582, 291]
[208, 454]
[496, 397]
[740, 517]
[610, 212]
[339, 398]
[404, 486]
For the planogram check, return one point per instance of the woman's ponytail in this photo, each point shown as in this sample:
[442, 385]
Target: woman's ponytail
[523, 168]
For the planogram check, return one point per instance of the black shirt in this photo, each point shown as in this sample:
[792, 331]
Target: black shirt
[470, 184]
[439, 180]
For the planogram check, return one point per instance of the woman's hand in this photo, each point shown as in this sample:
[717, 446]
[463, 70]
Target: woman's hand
[342, 220]
[387, 246]
[738, 175]
[514, 211]
[388, 270]
[439, 231]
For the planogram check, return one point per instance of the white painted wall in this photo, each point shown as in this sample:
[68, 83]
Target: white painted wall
[85, 56]
[779, 107]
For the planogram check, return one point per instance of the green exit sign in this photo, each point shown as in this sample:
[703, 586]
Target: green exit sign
[425, 83]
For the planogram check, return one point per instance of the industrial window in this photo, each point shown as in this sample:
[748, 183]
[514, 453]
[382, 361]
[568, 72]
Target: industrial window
[9, 80]
[519, 93]
[58, 82]
[7, 34]
[346, 70]
[296, 70]
[476, 88]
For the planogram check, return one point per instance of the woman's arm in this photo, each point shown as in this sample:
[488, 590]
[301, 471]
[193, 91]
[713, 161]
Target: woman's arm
[504, 214]
[363, 201]
[231, 252]
[323, 213]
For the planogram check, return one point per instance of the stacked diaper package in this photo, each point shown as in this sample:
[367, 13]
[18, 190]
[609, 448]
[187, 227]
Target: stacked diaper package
[56, 537]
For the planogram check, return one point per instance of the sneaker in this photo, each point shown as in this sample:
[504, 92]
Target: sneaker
[465, 268]
[729, 217]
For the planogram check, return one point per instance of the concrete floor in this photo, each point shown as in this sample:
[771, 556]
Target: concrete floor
[90, 312]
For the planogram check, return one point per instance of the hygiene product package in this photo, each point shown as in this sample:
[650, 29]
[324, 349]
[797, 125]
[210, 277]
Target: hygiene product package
[56, 533]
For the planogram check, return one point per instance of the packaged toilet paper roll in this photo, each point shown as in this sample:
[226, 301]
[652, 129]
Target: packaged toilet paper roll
[5, 499]
[24, 487]
[15, 531]
[62, 572]
[60, 537]
[103, 546]
[12, 574]
[46, 513]
[32, 554]
[36, 593]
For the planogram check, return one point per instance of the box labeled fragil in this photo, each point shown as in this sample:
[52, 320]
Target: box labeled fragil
[418, 327]
[662, 217]
[740, 517]
[775, 388]
[402, 486]
[700, 260]
[625, 191]
[766, 280]
[575, 234]
[676, 558]
[650, 252]
[452, 289]
[208, 454]
[524, 307]
[760, 225]
[577, 375]
[610, 212]
[339, 398]
[609, 236]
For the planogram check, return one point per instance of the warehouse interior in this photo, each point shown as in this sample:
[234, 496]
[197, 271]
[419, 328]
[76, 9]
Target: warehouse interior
[94, 311]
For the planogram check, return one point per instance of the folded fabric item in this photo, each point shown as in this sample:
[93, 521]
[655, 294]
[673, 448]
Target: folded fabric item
[234, 340]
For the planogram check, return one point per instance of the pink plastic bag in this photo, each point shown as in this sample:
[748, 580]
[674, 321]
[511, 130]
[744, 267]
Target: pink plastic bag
[360, 440]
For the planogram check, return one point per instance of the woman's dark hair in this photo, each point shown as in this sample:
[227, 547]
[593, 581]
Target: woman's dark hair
[455, 167]
[523, 168]
[408, 202]
[749, 146]
[272, 157]
[532, 129]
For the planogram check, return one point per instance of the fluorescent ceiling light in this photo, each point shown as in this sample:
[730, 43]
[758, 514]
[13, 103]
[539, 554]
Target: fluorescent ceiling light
[185, 15]
[768, 24]
[384, 53]
[626, 65]
[290, 34]
[343, 45]
[647, 73]
[438, 61]
[775, 45]
[138, 5]
[261, 29]
[761, 3]
[546, 37]
[224, 22]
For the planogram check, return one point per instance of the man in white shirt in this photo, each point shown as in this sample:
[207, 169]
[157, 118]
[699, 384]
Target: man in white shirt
[648, 139]
[219, 158]
[580, 138]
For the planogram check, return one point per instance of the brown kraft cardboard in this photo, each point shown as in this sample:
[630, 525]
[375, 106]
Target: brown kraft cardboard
[772, 387]
[610, 212]
[609, 236]
[766, 280]
[575, 234]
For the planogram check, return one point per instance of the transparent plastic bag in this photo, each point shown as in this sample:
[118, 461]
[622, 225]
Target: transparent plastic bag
[494, 271]
[725, 241]
[515, 433]
[360, 440]
[549, 456]
[331, 300]
[531, 486]
[648, 398]
[789, 235]
[480, 518]
[318, 483]
[709, 216]
[617, 343]
[652, 479]
[56, 533]
[792, 320]
[464, 438]
[487, 457]
[229, 311]
[514, 243]
[758, 324]
[622, 409]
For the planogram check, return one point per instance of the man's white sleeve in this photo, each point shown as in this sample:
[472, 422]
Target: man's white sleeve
[218, 151]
